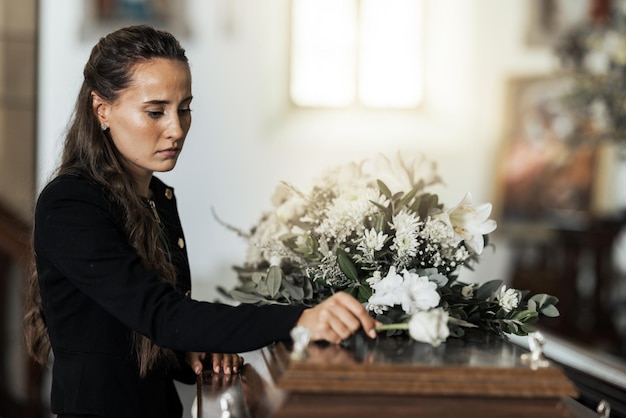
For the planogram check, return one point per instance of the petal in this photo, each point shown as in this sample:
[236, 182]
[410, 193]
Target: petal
[488, 226]
[476, 243]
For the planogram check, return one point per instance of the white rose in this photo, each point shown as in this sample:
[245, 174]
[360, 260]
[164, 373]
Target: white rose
[430, 326]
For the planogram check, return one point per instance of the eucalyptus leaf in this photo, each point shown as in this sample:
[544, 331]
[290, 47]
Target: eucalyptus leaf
[257, 277]
[524, 316]
[440, 279]
[295, 292]
[487, 289]
[262, 288]
[274, 279]
[249, 286]
[550, 311]
[544, 299]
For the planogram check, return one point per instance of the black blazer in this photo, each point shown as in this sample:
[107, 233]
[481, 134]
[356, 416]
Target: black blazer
[95, 291]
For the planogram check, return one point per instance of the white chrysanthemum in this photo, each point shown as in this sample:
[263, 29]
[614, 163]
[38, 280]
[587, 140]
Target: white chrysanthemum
[439, 230]
[370, 242]
[508, 299]
[405, 241]
[345, 215]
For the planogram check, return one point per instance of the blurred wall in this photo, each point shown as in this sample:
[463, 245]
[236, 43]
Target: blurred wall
[18, 53]
[245, 138]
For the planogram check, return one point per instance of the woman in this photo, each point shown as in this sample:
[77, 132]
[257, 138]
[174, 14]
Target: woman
[111, 293]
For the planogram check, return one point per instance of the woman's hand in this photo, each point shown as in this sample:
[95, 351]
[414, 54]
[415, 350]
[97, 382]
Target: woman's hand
[337, 318]
[226, 363]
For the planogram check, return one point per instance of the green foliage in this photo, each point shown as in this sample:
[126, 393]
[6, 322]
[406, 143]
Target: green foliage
[347, 235]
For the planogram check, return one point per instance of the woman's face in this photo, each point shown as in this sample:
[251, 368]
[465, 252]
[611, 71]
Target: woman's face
[150, 119]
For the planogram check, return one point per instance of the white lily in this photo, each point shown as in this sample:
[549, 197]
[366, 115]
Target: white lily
[471, 221]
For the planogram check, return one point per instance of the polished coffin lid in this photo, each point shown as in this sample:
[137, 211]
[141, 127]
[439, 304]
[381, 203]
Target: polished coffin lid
[477, 364]
[479, 375]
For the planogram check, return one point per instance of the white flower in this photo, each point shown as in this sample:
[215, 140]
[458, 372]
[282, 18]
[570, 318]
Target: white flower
[412, 292]
[370, 242]
[405, 239]
[508, 299]
[420, 294]
[345, 215]
[471, 221]
[373, 240]
[376, 278]
[467, 292]
[438, 229]
[430, 326]
[387, 291]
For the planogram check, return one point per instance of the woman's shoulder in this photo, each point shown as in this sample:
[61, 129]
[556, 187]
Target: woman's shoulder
[71, 186]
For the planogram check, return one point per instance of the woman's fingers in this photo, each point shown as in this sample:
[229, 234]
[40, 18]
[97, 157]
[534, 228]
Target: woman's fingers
[337, 318]
[195, 360]
[228, 363]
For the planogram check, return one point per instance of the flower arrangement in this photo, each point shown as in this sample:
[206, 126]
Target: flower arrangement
[373, 229]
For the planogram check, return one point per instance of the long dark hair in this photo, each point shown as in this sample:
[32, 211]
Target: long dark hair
[90, 152]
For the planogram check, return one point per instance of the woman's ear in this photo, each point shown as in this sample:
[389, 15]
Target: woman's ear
[100, 108]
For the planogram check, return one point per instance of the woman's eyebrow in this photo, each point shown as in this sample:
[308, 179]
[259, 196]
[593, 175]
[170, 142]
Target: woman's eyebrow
[163, 102]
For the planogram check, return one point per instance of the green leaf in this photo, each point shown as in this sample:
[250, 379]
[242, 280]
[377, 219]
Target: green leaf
[380, 222]
[246, 297]
[384, 189]
[411, 194]
[364, 293]
[307, 287]
[347, 266]
[274, 279]
[257, 277]
[487, 289]
[527, 329]
[550, 311]
[544, 299]
[527, 315]
[440, 279]
[296, 293]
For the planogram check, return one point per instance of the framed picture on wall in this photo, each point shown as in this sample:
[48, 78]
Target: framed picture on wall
[104, 16]
[547, 165]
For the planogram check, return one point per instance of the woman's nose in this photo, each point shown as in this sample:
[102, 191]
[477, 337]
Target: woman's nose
[175, 128]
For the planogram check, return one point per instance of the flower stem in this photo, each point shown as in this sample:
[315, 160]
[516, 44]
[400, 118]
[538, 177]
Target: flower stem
[391, 327]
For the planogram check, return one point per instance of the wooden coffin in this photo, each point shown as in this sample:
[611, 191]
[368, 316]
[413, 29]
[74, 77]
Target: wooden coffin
[477, 376]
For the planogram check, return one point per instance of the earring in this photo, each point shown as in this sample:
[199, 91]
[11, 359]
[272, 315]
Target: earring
[103, 127]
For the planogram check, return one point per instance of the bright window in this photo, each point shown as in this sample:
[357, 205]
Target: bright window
[357, 52]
